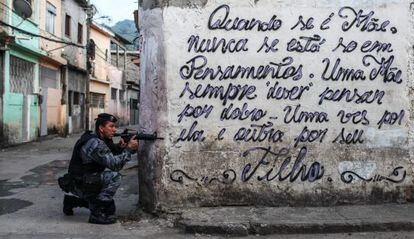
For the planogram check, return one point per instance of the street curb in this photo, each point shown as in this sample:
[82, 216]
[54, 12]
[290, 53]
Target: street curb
[234, 229]
[331, 228]
[243, 222]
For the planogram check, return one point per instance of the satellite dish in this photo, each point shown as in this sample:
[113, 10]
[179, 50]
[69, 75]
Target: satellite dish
[91, 10]
[23, 8]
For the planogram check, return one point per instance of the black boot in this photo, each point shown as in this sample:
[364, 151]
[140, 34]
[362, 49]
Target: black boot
[110, 209]
[99, 213]
[70, 202]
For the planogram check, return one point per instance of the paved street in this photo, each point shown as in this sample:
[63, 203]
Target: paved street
[30, 201]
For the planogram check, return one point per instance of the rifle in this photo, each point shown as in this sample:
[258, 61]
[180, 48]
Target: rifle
[126, 136]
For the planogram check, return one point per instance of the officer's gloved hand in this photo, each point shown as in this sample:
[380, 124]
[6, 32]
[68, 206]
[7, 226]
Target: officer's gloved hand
[133, 144]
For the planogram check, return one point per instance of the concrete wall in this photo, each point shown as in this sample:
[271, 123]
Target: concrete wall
[118, 107]
[54, 50]
[131, 76]
[77, 81]
[311, 106]
[76, 56]
[101, 88]
[21, 111]
[102, 54]
[50, 120]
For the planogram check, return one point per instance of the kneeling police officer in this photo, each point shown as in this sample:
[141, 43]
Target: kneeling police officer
[93, 171]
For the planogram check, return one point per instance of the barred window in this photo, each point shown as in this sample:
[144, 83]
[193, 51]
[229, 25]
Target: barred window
[21, 76]
[113, 93]
[97, 100]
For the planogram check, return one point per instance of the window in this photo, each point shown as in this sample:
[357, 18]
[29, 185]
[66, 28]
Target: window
[80, 33]
[70, 96]
[50, 18]
[21, 76]
[76, 98]
[122, 96]
[68, 19]
[97, 100]
[21, 14]
[113, 93]
[49, 78]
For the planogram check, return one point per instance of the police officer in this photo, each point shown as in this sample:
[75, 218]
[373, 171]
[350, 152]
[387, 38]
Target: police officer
[94, 168]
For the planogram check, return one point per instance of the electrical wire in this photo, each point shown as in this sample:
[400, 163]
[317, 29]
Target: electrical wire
[59, 40]
[40, 36]
[7, 7]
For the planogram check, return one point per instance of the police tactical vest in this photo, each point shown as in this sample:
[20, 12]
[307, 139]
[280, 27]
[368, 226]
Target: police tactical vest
[76, 167]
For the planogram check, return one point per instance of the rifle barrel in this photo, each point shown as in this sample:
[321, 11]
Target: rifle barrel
[139, 136]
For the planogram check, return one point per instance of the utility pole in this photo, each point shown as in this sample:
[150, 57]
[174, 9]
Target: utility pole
[90, 12]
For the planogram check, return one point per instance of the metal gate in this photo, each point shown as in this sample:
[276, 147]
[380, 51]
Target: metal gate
[22, 99]
[49, 80]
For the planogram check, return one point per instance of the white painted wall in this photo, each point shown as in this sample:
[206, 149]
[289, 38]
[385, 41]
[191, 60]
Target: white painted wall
[215, 171]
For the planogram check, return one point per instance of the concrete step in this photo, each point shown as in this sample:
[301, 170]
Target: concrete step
[242, 221]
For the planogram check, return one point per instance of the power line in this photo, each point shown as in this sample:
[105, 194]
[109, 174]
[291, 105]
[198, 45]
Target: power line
[7, 6]
[40, 36]
[60, 40]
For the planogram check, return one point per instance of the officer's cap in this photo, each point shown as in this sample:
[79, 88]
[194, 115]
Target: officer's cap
[105, 117]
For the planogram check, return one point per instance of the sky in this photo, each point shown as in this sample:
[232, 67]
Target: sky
[118, 10]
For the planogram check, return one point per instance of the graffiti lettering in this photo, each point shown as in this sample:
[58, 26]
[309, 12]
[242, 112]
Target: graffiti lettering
[282, 173]
[272, 47]
[242, 113]
[212, 45]
[310, 136]
[377, 46]
[192, 134]
[219, 19]
[385, 69]
[338, 73]
[326, 22]
[221, 133]
[305, 44]
[195, 112]
[308, 25]
[349, 138]
[354, 96]
[299, 116]
[259, 133]
[365, 22]
[196, 68]
[391, 118]
[230, 92]
[264, 82]
[282, 93]
[355, 117]
[350, 47]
